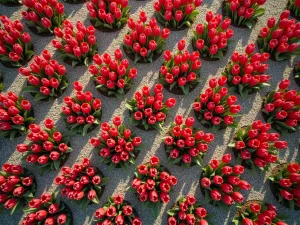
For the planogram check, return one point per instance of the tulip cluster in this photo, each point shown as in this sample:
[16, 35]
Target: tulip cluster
[246, 72]
[294, 7]
[16, 115]
[117, 146]
[280, 38]
[82, 183]
[212, 39]
[82, 112]
[281, 108]
[176, 14]
[152, 183]
[187, 211]
[256, 146]
[186, 145]
[15, 45]
[76, 47]
[297, 73]
[48, 148]
[285, 184]
[48, 209]
[117, 211]
[108, 14]
[258, 213]
[243, 13]
[149, 111]
[113, 77]
[46, 79]
[43, 17]
[215, 108]
[180, 73]
[220, 182]
[144, 42]
[17, 187]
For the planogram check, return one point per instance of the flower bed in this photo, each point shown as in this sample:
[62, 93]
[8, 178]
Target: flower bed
[284, 181]
[281, 108]
[180, 73]
[148, 111]
[117, 210]
[113, 77]
[76, 47]
[220, 183]
[117, 146]
[48, 209]
[187, 211]
[83, 183]
[184, 144]
[212, 39]
[17, 187]
[48, 148]
[152, 183]
[82, 112]
[42, 18]
[243, 13]
[181, 18]
[145, 42]
[246, 72]
[16, 48]
[280, 38]
[215, 108]
[108, 15]
[16, 114]
[256, 146]
[46, 79]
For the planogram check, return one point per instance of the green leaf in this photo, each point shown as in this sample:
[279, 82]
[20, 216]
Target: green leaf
[85, 129]
[137, 58]
[39, 96]
[56, 164]
[250, 23]
[17, 207]
[259, 12]
[74, 63]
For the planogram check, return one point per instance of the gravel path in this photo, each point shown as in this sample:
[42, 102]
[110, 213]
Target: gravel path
[148, 75]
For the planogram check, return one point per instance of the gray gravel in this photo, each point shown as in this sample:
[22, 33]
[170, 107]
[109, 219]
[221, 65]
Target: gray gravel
[148, 74]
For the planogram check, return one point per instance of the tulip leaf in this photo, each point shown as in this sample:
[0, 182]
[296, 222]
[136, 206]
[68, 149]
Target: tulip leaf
[259, 12]
[56, 164]
[85, 129]
[39, 96]
[17, 207]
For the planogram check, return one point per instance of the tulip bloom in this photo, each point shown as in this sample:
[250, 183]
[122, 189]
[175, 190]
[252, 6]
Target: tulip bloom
[243, 13]
[213, 43]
